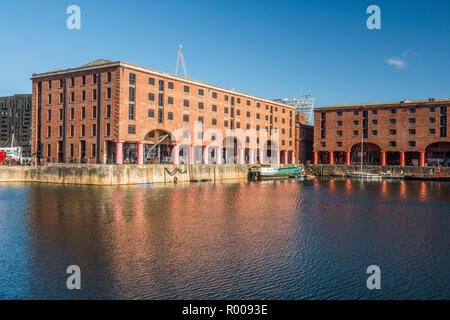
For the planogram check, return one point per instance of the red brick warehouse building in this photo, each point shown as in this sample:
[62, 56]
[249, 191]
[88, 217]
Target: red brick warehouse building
[391, 133]
[114, 112]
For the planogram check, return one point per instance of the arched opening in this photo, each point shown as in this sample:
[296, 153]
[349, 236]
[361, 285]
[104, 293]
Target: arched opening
[323, 157]
[368, 153]
[231, 147]
[393, 158]
[339, 157]
[438, 154]
[270, 151]
[158, 146]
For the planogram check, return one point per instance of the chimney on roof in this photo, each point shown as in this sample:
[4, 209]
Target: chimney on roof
[431, 99]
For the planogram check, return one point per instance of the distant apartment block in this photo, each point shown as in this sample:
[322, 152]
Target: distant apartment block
[304, 139]
[304, 104]
[15, 122]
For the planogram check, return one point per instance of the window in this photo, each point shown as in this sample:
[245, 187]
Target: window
[248, 114]
[374, 112]
[258, 105]
[72, 81]
[60, 131]
[132, 79]
[186, 89]
[151, 97]
[339, 133]
[412, 131]
[60, 114]
[355, 122]
[61, 83]
[49, 115]
[71, 150]
[161, 85]
[339, 123]
[170, 115]
[131, 112]
[392, 121]
[225, 97]
[393, 111]
[186, 103]
[94, 130]
[248, 126]
[170, 100]
[83, 95]
[72, 113]
[238, 100]
[200, 92]
[411, 143]
[49, 84]
[83, 113]
[61, 98]
[200, 105]
[160, 99]
[94, 112]
[432, 109]
[83, 80]
[412, 110]
[412, 120]
[339, 113]
[49, 99]
[339, 144]
[131, 94]
[355, 132]
[160, 115]
[238, 125]
[225, 123]
[108, 111]
[83, 130]
[392, 132]
[432, 131]
[214, 108]
[214, 122]
[432, 120]
[374, 122]
[185, 117]
[374, 132]
[108, 93]
[151, 113]
[323, 144]
[355, 113]
[108, 129]
[48, 150]
[258, 116]
[225, 110]
[109, 77]
[248, 103]
[214, 95]
[151, 81]
[131, 129]
[392, 144]
[170, 85]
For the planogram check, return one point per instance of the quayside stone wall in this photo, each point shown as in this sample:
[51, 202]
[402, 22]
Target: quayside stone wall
[343, 170]
[124, 174]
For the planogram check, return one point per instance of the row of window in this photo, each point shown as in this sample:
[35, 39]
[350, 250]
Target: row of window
[83, 96]
[394, 111]
[392, 144]
[72, 149]
[391, 121]
[83, 113]
[82, 133]
[392, 132]
[83, 80]
[200, 92]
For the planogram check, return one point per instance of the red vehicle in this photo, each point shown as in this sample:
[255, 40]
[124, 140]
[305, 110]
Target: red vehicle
[2, 156]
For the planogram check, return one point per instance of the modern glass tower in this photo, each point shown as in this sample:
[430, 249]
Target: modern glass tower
[304, 104]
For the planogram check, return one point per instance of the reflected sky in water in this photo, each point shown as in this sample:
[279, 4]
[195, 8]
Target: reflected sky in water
[271, 240]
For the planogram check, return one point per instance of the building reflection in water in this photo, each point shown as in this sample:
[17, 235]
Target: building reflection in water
[228, 240]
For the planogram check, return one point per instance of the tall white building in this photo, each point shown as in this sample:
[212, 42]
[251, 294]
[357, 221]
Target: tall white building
[304, 104]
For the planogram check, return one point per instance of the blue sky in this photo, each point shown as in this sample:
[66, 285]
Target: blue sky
[273, 49]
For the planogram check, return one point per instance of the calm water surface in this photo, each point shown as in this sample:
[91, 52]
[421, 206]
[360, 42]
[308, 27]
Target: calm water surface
[283, 240]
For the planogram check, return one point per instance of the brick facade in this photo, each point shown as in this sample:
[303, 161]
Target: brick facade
[99, 98]
[405, 133]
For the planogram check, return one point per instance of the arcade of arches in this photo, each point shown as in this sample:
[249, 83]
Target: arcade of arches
[158, 147]
[371, 154]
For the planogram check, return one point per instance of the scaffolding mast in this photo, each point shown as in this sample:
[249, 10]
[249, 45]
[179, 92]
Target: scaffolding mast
[180, 56]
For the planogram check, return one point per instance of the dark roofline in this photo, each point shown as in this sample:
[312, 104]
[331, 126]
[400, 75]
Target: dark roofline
[383, 105]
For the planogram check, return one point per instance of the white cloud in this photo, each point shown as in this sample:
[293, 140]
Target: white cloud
[398, 63]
